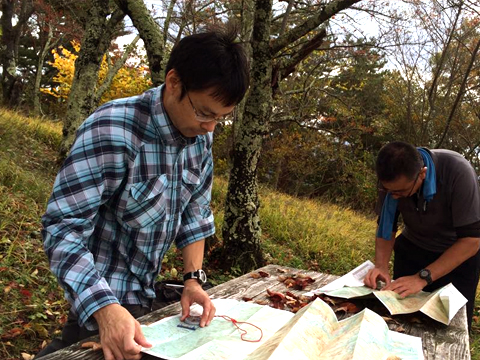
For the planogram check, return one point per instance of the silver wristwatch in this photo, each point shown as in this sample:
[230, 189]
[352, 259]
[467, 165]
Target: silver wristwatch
[199, 275]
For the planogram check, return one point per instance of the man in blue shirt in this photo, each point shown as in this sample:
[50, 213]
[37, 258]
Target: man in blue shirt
[137, 179]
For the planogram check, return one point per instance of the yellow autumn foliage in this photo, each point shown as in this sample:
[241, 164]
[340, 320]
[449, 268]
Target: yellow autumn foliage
[128, 81]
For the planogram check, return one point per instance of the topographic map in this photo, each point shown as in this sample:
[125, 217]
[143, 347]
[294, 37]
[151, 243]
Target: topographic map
[441, 305]
[313, 333]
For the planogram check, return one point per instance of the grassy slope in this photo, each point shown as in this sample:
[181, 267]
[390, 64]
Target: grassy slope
[298, 233]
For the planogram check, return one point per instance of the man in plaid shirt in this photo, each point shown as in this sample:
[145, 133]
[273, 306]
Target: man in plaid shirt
[138, 178]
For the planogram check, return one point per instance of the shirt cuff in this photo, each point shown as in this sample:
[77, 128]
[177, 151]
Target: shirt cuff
[195, 230]
[91, 300]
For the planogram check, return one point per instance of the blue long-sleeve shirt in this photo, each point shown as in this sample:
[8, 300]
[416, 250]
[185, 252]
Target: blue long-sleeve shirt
[131, 185]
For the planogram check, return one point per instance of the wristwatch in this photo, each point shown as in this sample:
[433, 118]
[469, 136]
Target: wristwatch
[199, 275]
[426, 275]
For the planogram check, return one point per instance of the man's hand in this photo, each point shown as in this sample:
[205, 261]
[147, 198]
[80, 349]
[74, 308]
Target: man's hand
[407, 285]
[120, 334]
[193, 292]
[376, 274]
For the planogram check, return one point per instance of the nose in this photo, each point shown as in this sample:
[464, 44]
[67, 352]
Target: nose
[209, 126]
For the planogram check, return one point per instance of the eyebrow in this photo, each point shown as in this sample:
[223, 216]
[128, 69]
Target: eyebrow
[206, 109]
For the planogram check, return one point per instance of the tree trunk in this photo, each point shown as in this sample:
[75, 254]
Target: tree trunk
[241, 227]
[99, 32]
[241, 230]
[9, 48]
[151, 35]
[113, 70]
[38, 76]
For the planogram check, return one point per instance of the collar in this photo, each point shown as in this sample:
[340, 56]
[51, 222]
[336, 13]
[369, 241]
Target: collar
[164, 127]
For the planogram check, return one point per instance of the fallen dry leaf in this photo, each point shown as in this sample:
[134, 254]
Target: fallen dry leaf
[262, 302]
[264, 274]
[12, 333]
[26, 356]
[348, 307]
[255, 276]
[275, 295]
[292, 295]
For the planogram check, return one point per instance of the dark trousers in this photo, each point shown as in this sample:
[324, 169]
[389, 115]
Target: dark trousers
[410, 259]
[73, 333]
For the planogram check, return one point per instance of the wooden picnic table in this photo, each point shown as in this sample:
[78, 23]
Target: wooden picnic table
[439, 341]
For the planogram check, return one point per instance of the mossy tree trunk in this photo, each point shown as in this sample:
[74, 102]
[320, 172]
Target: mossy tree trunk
[241, 230]
[12, 25]
[150, 33]
[241, 227]
[100, 28]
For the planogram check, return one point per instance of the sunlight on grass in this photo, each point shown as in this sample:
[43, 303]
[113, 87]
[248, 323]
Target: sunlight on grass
[44, 130]
[27, 155]
[308, 233]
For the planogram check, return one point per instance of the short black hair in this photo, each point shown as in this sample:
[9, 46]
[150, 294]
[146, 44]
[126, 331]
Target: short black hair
[215, 60]
[396, 159]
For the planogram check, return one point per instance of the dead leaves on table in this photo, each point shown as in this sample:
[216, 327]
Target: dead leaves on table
[288, 300]
[260, 274]
[296, 281]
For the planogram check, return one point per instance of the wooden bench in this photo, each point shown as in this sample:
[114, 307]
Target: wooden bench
[439, 341]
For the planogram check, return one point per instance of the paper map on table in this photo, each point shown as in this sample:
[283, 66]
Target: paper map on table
[219, 340]
[313, 333]
[441, 305]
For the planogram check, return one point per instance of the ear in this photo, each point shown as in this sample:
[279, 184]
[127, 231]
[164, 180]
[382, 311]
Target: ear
[172, 81]
[423, 173]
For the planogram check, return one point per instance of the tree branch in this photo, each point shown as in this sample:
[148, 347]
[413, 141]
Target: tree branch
[112, 71]
[150, 34]
[325, 13]
[289, 66]
[460, 94]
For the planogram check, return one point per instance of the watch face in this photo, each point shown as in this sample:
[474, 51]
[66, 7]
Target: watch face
[423, 274]
[202, 276]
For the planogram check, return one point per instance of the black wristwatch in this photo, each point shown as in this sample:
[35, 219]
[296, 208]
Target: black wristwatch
[426, 275]
[199, 275]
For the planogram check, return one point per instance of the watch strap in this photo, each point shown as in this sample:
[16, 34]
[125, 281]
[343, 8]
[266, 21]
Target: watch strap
[199, 275]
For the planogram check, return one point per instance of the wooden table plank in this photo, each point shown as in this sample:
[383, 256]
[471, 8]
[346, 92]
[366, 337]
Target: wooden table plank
[439, 341]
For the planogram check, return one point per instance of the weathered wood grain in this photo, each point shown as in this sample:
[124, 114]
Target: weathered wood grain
[440, 342]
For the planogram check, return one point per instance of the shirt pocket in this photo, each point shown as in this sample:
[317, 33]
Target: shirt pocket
[147, 202]
[190, 182]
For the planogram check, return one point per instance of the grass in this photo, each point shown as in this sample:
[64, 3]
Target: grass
[32, 307]
[299, 233]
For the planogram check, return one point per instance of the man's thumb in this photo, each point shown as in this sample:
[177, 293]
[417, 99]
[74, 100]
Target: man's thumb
[139, 337]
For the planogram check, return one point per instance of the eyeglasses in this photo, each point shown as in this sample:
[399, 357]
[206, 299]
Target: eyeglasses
[402, 192]
[209, 118]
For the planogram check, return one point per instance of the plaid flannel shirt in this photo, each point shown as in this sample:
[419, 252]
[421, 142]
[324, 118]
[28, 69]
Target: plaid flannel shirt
[131, 185]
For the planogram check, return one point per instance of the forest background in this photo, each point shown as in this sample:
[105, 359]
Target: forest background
[332, 81]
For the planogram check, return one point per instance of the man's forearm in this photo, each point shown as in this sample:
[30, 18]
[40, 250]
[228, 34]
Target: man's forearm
[193, 256]
[383, 251]
[462, 250]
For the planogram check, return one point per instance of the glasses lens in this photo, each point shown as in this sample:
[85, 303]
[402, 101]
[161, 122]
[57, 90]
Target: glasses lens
[221, 119]
[202, 118]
